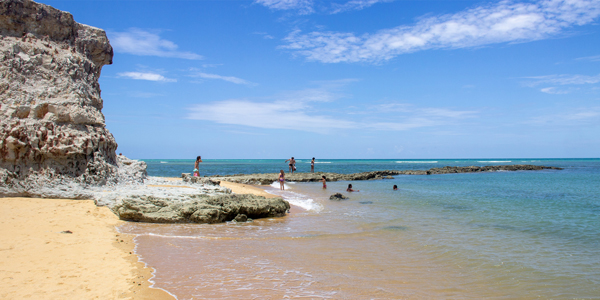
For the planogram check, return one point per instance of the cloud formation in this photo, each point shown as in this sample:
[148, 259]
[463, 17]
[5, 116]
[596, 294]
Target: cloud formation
[139, 42]
[145, 76]
[303, 6]
[225, 78]
[505, 21]
[300, 110]
[354, 5]
[564, 79]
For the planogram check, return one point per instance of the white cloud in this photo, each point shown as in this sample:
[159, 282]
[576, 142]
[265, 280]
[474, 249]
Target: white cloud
[146, 76]
[303, 6]
[354, 5]
[265, 35]
[299, 110]
[572, 117]
[564, 79]
[590, 58]
[505, 21]
[226, 78]
[554, 91]
[271, 115]
[139, 42]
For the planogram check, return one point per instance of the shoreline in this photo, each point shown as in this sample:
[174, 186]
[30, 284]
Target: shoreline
[94, 261]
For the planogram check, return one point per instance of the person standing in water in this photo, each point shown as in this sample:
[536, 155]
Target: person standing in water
[395, 187]
[324, 181]
[198, 161]
[312, 165]
[281, 180]
[292, 164]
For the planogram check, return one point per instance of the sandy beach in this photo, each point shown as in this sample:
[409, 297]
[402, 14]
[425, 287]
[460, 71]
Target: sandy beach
[40, 260]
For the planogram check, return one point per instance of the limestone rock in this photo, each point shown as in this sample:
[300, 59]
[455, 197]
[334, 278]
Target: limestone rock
[199, 208]
[52, 130]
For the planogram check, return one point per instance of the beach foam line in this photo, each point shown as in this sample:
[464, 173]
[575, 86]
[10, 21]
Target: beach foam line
[493, 161]
[417, 162]
[295, 199]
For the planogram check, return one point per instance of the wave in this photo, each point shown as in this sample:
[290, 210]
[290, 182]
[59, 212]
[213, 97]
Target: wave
[295, 198]
[275, 185]
[322, 162]
[164, 162]
[416, 162]
[493, 161]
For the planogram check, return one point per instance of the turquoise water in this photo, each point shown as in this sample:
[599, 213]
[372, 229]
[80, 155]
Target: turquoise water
[499, 235]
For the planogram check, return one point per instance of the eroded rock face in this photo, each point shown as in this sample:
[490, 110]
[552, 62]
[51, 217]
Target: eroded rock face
[51, 125]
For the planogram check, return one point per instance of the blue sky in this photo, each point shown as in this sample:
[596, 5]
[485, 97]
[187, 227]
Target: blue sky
[350, 78]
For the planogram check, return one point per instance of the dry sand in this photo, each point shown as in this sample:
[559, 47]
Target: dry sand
[37, 261]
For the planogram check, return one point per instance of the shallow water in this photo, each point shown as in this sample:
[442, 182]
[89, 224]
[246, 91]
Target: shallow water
[501, 235]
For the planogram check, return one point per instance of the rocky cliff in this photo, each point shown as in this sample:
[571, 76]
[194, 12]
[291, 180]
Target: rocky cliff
[52, 130]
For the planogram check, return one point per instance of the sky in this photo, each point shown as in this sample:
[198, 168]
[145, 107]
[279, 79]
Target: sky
[363, 79]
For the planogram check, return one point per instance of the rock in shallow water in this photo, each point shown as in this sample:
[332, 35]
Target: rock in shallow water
[198, 208]
[337, 197]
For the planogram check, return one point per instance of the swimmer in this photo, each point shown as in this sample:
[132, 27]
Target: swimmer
[395, 187]
[281, 180]
[324, 181]
[349, 189]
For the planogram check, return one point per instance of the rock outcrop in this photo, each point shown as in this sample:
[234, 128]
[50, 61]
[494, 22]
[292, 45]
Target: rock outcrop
[52, 130]
[266, 179]
[337, 197]
[199, 208]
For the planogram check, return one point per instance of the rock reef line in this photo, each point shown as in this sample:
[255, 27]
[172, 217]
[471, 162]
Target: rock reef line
[268, 178]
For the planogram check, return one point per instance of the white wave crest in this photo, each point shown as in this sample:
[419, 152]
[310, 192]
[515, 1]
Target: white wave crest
[493, 161]
[275, 184]
[416, 162]
[297, 199]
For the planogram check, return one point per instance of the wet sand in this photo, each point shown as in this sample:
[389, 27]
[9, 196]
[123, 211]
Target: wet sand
[41, 260]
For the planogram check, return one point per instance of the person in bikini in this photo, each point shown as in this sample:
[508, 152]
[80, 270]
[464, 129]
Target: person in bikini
[281, 180]
[292, 164]
[196, 171]
[349, 189]
[324, 181]
[312, 165]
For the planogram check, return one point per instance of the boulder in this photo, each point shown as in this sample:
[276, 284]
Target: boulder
[199, 208]
[337, 197]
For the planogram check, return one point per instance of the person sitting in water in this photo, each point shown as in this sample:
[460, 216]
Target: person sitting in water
[349, 189]
[324, 181]
[395, 187]
[281, 180]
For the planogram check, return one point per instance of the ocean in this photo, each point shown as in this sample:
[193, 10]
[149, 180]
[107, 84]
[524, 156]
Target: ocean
[496, 235]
